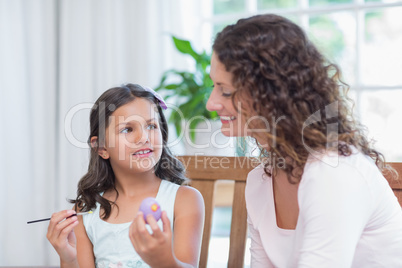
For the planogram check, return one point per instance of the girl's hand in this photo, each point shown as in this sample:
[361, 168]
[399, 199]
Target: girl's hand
[156, 248]
[61, 235]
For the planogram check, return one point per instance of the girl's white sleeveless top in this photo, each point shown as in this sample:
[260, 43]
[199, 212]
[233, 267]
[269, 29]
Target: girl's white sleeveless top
[111, 245]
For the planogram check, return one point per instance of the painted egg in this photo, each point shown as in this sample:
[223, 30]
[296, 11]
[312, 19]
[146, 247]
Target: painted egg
[150, 206]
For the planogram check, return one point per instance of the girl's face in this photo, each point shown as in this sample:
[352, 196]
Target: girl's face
[133, 137]
[220, 100]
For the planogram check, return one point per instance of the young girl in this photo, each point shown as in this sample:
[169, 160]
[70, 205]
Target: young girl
[130, 161]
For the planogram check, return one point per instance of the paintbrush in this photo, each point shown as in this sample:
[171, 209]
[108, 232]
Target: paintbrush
[48, 219]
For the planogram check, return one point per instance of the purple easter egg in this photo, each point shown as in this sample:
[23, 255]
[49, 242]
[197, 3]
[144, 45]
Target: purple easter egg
[150, 206]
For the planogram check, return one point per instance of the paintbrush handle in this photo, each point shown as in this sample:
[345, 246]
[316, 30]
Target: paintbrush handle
[48, 219]
[76, 214]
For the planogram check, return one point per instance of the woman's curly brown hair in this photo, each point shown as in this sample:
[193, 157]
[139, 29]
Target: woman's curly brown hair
[275, 65]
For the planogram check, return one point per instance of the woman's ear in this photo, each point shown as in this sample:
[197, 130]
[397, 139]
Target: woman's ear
[101, 150]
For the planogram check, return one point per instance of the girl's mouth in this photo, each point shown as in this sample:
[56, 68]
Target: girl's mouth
[143, 153]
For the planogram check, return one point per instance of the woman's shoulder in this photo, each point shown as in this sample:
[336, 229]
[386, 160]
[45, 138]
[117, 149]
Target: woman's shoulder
[257, 184]
[355, 169]
[332, 161]
[257, 174]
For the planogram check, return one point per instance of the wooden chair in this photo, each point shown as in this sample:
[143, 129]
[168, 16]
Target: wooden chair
[396, 184]
[205, 171]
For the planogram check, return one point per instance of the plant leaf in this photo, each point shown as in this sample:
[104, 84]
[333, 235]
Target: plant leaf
[184, 46]
[192, 126]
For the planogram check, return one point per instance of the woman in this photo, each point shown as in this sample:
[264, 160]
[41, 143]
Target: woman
[319, 199]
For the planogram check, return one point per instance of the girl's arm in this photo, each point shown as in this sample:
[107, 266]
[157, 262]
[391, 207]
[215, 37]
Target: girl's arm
[69, 237]
[85, 254]
[157, 250]
[188, 225]
[60, 234]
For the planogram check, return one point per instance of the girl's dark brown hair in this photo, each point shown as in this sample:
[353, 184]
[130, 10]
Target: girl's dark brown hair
[100, 176]
[289, 83]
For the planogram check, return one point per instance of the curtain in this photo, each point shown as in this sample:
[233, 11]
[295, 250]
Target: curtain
[56, 58]
[27, 158]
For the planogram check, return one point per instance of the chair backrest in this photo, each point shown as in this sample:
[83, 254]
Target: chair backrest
[396, 184]
[205, 171]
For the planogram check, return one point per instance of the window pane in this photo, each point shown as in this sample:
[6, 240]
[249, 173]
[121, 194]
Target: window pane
[268, 4]
[381, 113]
[228, 6]
[381, 56]
[328, 2]
[219, 244]
[293, 18]
[379, 1]
[219, 27]
[335, 36]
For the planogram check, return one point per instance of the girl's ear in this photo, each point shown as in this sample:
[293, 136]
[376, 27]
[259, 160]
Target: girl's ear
[94, 142]
[101, 150]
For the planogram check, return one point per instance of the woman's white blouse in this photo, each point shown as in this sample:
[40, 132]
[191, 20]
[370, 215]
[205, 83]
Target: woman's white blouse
[348, 217]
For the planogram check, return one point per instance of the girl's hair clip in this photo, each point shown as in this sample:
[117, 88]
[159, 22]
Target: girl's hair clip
[162, 103]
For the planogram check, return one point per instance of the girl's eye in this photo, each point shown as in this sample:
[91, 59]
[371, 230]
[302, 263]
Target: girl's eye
[126, 130]
[152, 126]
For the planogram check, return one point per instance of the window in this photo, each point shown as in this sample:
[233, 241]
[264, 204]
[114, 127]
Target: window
[364, 37]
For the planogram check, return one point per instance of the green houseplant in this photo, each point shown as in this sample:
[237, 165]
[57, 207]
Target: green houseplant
[191, 89]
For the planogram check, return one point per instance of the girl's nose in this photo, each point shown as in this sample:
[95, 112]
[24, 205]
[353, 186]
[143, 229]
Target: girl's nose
[213, 103]
[143, 137]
